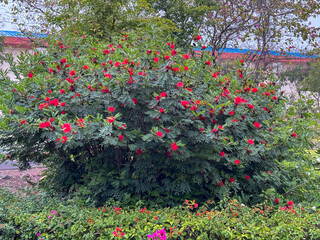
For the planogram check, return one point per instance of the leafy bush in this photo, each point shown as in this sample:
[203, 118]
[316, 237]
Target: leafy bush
[71, 220]
[142, 120]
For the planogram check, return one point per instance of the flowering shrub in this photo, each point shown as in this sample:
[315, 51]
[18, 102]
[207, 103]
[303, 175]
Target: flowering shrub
[139, 119]
[28, 218]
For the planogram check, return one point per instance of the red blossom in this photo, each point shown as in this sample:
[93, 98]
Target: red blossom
[231, 180]
[257, 125]
[62, 91]
[237, 161]
[120, 137]
[72, 73]
[139, 151]
[134, 100]
[44, 125]
[250, 141]
[231, 113]
[239, 100]
[156, 59]
[186, 104]
[85, 67]
[163, 94]
[254, 90]
[159, 134]
[220, 184]
[80, 122]
[30, 75]
[66, 127]
[294, 135]
[222, 154]
[111, 119]
[276, 200]
[173, 52]
[247, 177]
[174, 146]
[111, 109]
[198, 37]
[167, 57]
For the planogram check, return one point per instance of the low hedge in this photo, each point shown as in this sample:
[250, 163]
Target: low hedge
[39, 216]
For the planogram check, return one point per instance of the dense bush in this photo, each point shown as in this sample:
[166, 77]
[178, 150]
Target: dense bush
[139, 119]
[42, 217]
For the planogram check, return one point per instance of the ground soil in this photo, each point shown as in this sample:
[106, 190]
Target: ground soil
[15, 179]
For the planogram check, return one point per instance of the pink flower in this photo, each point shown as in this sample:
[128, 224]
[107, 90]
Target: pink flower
[186, 56]
[156, 59]
[180, 84]
[66, 127]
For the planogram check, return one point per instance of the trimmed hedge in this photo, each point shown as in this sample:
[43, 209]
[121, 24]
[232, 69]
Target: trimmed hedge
[38, 216]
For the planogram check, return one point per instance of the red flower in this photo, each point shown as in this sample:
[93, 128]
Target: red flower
[231, 113]
[237, 161]
[167, 57]
[294, 135]
[85, 67]
[22, 121]
[254, 90]
[250, 141]
[63, 139]
[186, 104]
[247, 177]
[134, 100]
[111, 109]
[161, 110]
[111, 119]
[250, 106]
[239, 100]
[72, 73]
[220, 184]
[44, 125]
[290, 203]
[139, 151]
[66, 127]
[198, 37]
[49, 91]
[159, 134]
[63, 60]
[120, 137]
[186, 56]
[257, 125]
[174, 146]
[276, 200]
[173, 52]
[274, 98]
[214, 75]
[62, 104]
[208, 63]
[106, 51]
[156, 59]
[62, 91]
[116, 64]
[163, 94]
[43, 105]
[30, 75]
[80, 122]
[54, 102]
[231, 180]
[51, 119]
[222, 154]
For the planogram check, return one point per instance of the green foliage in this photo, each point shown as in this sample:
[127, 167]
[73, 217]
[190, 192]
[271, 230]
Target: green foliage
[124, 121]
[30, 218]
